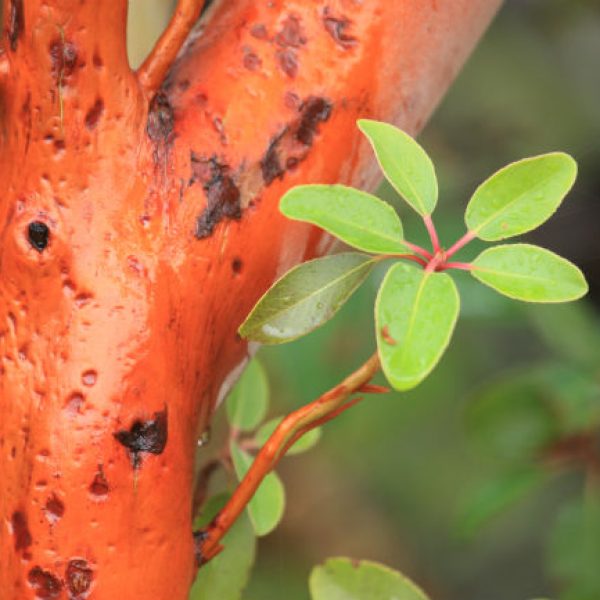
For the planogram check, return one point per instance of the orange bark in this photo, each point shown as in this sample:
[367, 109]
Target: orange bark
[137, 230]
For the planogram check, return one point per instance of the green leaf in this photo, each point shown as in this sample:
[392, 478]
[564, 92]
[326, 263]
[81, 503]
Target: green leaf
[529, 273]
[267, 506]
[210, 509]
[248, 401]
[404, 163]
[361, 220]
[305, 443]
[226, 576]
[493, 497]
[345, 579]
[415, 314]
[521, 196]
[306, 297]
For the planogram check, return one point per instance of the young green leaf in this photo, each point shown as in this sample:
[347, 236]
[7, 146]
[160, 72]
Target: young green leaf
[305, 443]
[404, 163]
[529, 273]
[306, 297]
[415, 314]
[248, 400]
[226, 576]
[345, 579]
[361, 220]
[267, 506]
[521, 196]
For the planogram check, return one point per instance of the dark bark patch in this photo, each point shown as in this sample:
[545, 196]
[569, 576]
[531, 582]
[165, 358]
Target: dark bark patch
[288, 62]
[161, 119]
[38, 235]
[55, 509]
[63, 56]
[237, 265]
[16, 23]
[314, 110]
[259, 31]
[94, 114]
[45, 583]
[290, 33]
[290, 147]
[222, 194]
[21, 531]
[270, 164]
[145, 436]
[252, 61]
[99, 486]
[336, 27]
[97, 61]
[78, 578]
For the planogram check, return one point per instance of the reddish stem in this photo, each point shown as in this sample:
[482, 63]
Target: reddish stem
[464, 240]
[321, 410]
[418, 250]
[435, 241]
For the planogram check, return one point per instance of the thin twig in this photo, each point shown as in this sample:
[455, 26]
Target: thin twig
[153, 70]
[433, 236]
[296, 424]
[464, 240]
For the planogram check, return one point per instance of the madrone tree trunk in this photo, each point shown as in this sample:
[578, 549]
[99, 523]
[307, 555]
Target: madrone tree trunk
[138, 226]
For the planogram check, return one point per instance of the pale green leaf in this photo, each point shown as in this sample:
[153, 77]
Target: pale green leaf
[267, 506]
[521, 196]
[404, 163]
[248, 400]
[306, 297]
[305, 443]
[415, 314]
[345, 579]
[529, 273]
[361, 220]
[226, 575]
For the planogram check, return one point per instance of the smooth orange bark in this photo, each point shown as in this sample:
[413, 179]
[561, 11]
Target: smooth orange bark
[138, 230]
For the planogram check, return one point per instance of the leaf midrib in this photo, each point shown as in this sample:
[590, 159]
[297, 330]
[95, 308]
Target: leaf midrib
[396, 240]
[511, 203]
[346, 274]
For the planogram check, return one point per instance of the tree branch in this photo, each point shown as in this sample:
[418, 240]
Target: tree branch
[153, 70]
[293, 427]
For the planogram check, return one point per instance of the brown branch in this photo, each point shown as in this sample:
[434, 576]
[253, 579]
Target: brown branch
[294, 426]
[153, 70]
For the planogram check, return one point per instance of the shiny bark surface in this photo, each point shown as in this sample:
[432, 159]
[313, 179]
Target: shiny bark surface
[136, 232]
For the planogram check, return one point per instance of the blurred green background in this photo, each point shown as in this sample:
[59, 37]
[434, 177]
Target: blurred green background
[483, 483]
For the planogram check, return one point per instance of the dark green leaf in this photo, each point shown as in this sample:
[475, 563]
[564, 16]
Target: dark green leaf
[345, 579]
[493, 497]
[521, 196]
[415, 314]
[267, 506]
[574, 548]
[529, 273]
[306, 297]
[361, 220]
[513, 418]
[404, 163]
[248, 401]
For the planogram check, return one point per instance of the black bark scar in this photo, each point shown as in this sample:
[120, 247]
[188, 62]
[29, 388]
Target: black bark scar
[222, 194]
[145, 436]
